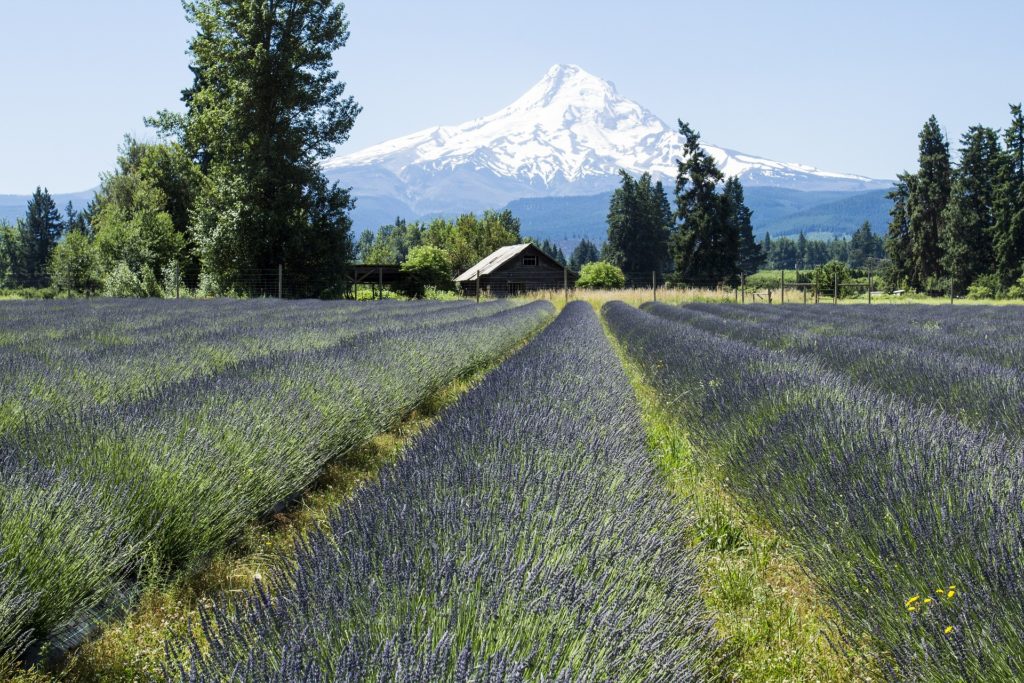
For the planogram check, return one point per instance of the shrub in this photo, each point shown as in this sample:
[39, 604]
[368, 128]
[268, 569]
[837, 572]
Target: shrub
[74, 265]
[601, 275]
[985, 287]
[825, 276]
[1016, 291]
[122, 282]
[427, 266]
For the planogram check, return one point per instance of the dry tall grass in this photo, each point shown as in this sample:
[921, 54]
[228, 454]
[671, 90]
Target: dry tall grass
[633, 297]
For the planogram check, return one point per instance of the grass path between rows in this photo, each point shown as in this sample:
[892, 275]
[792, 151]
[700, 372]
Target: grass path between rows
[775, 625]
[132, 649]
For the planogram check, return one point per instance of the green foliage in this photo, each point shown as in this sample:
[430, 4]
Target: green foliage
[124, 282]
[967, 219]
[1008, 228]
[825, 277]
[265, 106]
[584, 253]
[39, 233]
[392, 243]
[787, 254]
[639, 221]
[749, 255]
[427, 266]
[466, 240]
[985, 287]
[132, 227]
[706, 244]
[864, 245]
[9, 248]
[74, 265]
[551, 249]
[898, 240]
[927, 201]
[601, 275]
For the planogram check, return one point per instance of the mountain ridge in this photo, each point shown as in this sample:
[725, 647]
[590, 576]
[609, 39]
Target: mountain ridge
[568, 135]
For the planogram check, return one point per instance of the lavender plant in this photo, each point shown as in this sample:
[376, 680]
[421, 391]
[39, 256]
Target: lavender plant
[881, 351]
[907, 518]
[525, 536]
[165, 476]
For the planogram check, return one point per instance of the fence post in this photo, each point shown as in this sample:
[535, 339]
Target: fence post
[280, 281]
[654, 284]
[478, 286]
[835, 290]
[951, 276]
[565, 282]
[380, 282]
[869, 285]
[743, 287]
[177, 281]
[782, 287]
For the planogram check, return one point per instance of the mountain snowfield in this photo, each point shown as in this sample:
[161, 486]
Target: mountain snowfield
[567, 136]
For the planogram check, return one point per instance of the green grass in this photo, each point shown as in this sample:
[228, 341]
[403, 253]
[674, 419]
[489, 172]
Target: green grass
[774, 623]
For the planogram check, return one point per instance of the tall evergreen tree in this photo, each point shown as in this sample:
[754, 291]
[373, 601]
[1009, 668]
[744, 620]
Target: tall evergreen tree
[898, 240]
[75, 221]
[39, 232]
[704, 244]
[639, 220]
[1008, 231]
[584, 253]
[928, 198]
[553, 250]
[966, 237]
[748, 252]
[802, 255]
[265, 107]
[863, 246]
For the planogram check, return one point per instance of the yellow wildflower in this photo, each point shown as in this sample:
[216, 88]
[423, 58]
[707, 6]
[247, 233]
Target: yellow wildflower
[949, 629]
[912, 600]
[926, 600]
[950, 594]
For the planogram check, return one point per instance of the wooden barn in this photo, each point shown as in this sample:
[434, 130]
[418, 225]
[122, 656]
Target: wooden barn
[516, 269]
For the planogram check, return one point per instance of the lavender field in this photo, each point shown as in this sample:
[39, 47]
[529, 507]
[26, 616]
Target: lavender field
[530, 533]
[140, 437]
[885, 442]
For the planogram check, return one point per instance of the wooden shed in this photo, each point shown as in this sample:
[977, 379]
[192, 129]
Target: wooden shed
[516, 269]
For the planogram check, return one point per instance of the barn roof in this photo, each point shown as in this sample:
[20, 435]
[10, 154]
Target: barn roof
[491, 263]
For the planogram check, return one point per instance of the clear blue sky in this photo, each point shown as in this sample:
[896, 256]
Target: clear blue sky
[844, 86]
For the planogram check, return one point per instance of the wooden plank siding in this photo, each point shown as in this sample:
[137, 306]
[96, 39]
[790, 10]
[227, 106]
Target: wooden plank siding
[527, 271]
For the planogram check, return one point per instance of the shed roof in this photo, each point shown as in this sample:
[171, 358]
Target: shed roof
[491, 263]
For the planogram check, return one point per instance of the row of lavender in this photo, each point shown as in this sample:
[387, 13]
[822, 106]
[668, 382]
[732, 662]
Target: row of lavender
[908, 519]
[68, 355]
[158, 481]
[525, 536]
[966, 361]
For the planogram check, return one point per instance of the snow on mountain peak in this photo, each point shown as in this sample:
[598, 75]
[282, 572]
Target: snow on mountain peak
[568, 134]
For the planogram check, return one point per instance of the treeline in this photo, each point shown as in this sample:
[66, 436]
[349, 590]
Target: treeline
[462, 242]
[962, 226]
[863, 249]
[235, 190]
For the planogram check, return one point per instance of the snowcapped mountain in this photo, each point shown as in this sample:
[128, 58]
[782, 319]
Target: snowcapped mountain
[567, 136]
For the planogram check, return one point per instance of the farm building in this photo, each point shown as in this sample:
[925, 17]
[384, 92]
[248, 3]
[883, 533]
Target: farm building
[516, 269]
